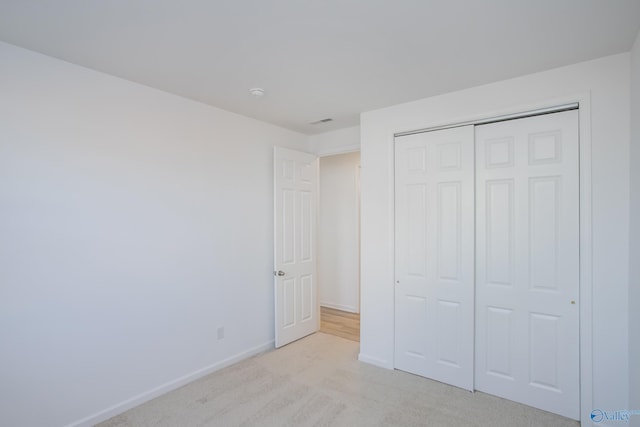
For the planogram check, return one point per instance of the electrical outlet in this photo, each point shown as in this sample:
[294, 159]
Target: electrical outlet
[220, 333]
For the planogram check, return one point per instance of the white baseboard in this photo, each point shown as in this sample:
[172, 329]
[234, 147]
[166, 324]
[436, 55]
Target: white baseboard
[375, 361]
[141, 398]
[349, 308]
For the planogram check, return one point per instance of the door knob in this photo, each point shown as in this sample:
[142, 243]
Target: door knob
[279, 273]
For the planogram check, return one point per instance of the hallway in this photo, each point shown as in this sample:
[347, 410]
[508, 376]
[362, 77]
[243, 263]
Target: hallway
[340, 323]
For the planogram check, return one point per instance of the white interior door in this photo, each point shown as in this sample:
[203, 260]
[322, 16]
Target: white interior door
[527, 283]
[295, 187]
[435, 255]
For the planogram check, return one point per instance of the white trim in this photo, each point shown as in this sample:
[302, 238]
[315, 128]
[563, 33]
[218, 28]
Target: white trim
[586, 242]
[381, 363]
[338, 150]
[359, 229]
[315, 245]
[341, 307]
[586, 261]
[143, 397]
[391, 212]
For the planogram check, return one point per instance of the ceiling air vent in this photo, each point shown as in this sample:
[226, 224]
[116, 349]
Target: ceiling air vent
[327, 120]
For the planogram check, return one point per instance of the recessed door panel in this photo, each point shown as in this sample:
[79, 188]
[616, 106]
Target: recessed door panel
[306, 226]
[417, 312]
[543, 351]
[416, 242]
[449, 156]
[499, 232]
[500, 329]
[544, 211]
[288, 232]
[289, 302]
[449, 217]
[449, 313]
[306, 295]
[499, 153]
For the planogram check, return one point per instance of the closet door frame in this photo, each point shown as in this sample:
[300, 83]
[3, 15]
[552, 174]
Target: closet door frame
[586, 244]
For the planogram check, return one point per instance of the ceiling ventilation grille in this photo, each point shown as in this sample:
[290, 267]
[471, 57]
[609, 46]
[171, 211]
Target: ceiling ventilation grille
[327, 120]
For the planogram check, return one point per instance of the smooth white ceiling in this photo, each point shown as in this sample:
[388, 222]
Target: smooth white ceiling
[319, 58]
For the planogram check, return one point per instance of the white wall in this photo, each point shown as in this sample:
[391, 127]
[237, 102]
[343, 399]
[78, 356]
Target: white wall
[133, 223]
[335, 142]
[339, 232]
[634, 271]
[607, 82]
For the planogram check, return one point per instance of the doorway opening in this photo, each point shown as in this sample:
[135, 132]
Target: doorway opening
[339, 245]
[340, 323]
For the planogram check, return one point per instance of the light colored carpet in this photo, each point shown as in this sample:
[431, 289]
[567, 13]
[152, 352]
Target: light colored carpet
[318, 381]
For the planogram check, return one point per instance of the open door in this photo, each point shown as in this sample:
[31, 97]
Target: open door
[295, 188]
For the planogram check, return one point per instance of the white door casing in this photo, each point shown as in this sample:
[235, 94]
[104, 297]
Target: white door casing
[434, 271]
[295, 206]
[527, 265]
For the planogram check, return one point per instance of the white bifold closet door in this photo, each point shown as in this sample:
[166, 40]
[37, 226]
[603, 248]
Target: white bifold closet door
[434, 219]
[527, 255]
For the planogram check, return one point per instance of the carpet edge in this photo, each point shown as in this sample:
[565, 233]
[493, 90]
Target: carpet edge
[148, 395]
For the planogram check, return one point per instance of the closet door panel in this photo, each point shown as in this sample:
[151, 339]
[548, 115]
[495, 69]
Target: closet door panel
[527, 252]
[434, 229]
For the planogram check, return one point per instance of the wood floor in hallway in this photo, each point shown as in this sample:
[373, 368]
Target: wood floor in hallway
[340, 323]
